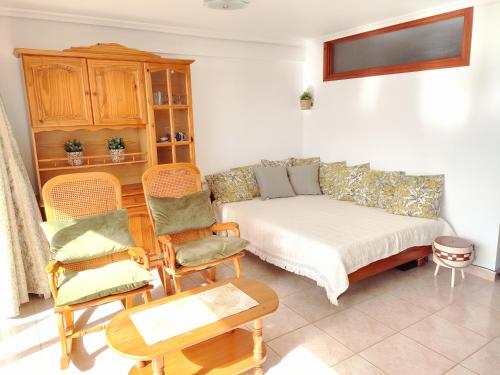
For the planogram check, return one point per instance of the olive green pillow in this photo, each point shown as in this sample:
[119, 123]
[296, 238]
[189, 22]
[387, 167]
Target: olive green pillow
[330, 176]
[114, 278]
[418, 196]
[350, 182]
[88, 237]
[208, 249]
[376, 188]
[306, 161]
[230, 186]
[173, 215]
[249, 177]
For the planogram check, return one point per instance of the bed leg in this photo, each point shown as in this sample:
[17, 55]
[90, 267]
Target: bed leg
[421, 261]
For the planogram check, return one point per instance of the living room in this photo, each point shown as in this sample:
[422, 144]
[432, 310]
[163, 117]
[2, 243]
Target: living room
[261, 88]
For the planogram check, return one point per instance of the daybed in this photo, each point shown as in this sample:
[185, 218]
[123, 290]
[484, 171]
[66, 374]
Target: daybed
[330, 241]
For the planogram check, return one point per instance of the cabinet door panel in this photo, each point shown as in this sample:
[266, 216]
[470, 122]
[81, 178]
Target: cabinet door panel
[118, 96]
[58, 91]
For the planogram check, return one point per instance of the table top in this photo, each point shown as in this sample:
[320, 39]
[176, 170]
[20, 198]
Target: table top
[123, 337]
[453, 242]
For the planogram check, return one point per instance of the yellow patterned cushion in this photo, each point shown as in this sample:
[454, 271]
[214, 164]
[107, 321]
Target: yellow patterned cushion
[350, 182]
[376, 188]
[230, 186]
[250, 179]
[306, 161]
[330, 176]
[277, 163]
[418, 196]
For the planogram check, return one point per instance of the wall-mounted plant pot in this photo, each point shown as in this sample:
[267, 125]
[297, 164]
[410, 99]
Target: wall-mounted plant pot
[75, 158]
[306, 104]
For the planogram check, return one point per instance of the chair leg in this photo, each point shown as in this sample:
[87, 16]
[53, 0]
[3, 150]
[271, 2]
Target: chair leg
[147, 296]
[166, 281]
[177, 284]
[213, 274]
[68, 316]
[64, 341]
[129, 302]
[237, 267]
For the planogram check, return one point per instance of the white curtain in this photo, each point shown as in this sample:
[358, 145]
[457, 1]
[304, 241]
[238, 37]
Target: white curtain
[23, 249]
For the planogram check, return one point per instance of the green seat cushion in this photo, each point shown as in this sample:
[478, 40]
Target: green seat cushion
[114, 278]
[208, 249]
[173, 215]
[88, 237]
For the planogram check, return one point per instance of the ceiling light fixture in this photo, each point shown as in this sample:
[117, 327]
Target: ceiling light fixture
[226, 4]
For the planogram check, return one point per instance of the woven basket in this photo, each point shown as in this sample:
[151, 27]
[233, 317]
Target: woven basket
[453, 251]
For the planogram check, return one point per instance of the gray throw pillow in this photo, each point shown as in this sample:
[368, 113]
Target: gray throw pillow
[305, 179]
[174, 215]
[273, 182]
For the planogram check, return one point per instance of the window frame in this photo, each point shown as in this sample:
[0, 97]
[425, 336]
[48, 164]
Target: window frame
[450, 62]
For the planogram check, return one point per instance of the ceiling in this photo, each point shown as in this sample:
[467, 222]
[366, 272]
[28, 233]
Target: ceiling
[284, 21]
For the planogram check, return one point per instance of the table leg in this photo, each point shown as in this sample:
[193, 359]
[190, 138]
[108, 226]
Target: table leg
[258, 349]
[436, 271]
[463, 273]
[158, 366]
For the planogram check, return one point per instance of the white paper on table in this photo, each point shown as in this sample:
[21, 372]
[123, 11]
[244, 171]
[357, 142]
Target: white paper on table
[185, 314]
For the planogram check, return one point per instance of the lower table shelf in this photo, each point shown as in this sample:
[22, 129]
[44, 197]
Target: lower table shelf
[227, 354]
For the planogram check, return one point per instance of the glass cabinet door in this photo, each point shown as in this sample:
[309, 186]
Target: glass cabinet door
[178, 86]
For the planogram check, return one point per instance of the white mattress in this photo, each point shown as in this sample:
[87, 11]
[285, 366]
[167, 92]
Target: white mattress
[325, 239]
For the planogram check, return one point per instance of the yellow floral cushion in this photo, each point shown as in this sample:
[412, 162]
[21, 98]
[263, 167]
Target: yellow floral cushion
[277, 163]
[350, 182]
[306, 161]
[230, 186]
[418, 196]
[250, 179]
[330, 176]
[376, 188]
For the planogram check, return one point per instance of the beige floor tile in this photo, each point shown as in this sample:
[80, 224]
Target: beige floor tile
[488, 296]
[19, 341]
[254, 267]
[485, 361]
[392, 311]
[459, 370]
[312, 303]
[382, 283]
[354, 329]
[430, 298]
[475, 317]
[446, 338]
[355, 294]
[284, 320]
[356, 365]
[314, 341]
[285, 283]
[400, 355]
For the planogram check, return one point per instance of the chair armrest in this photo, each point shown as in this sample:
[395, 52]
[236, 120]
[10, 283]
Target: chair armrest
[231, 226]
[167, 248]
[139, 252]
[53, 266]
[52, 269]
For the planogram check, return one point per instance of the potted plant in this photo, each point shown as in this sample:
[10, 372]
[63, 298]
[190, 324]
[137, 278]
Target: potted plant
[74, 152]
[306, 100]
[116, 147]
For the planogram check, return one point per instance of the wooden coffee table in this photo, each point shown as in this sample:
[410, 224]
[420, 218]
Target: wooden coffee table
[217, 348]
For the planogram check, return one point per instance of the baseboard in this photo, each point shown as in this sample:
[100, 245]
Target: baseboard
[481, 272]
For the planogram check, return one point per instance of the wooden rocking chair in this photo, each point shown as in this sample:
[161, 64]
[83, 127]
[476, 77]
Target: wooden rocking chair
[176, 180]
[78, 195]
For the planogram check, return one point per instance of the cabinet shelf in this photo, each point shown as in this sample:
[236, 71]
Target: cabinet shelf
[168, 106]
[170, 144]
[96, 161]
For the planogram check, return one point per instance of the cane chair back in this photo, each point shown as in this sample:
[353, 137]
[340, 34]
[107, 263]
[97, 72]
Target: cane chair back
[174, 180]
[77, 195]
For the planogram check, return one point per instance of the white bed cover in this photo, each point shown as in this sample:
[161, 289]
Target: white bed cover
[326, 239]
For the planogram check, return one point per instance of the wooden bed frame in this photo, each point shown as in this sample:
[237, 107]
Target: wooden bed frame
[418, 253]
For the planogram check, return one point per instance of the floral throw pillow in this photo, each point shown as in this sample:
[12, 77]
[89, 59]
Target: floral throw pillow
[330, 176]
[376, 188]
[418, 196]
[230, 186]
[250, 179]
[350, 182]
[277, 163]
[306, 161]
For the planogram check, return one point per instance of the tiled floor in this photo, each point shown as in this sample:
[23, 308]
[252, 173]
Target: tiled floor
[396, 323]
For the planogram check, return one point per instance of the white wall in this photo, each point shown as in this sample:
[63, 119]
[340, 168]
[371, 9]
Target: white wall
[440, 121]
[244, 94]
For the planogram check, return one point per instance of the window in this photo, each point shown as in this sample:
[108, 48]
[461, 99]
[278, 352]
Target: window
[441, 41]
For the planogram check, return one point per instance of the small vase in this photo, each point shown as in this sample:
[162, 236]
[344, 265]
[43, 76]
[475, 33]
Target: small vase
[306, 104]
[75, 158]
[117, 156]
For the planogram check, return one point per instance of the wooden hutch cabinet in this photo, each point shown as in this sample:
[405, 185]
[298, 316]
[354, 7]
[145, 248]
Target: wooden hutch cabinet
[105, 91]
